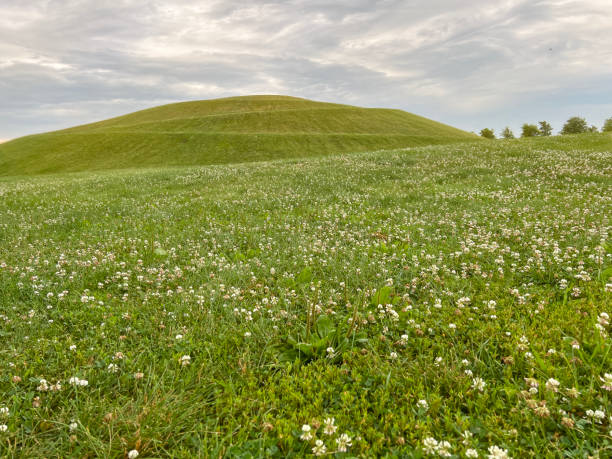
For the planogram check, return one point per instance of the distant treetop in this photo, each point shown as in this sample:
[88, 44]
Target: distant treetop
[575, 125]
[487, 133]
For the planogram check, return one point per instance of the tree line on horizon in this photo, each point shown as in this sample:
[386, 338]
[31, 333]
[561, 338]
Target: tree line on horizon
[574, 125]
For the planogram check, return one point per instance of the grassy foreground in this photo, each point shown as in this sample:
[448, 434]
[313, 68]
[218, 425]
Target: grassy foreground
[447, 301]
[221, 131]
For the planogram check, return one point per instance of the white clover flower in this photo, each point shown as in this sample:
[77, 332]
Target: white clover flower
[495, 452]
[319, 449]
[133, 454]
[178, 337]
[4, 411]
[330, 352]
[43, 386]
[247, 334]
[552, 384]
[478, 384]
[185, 360]
[112, 368]
[607, 380]
[329, 428]
[423, 404]
[393, 355]
[471, 453]
[56, 387]
[343, 442]
[444, 448]
[306, 433]
[74, 381]
[3, 427]
[467, 436]
[73, 426]
[430, 445]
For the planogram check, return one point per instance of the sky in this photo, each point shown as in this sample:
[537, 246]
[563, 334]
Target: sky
[468, 63]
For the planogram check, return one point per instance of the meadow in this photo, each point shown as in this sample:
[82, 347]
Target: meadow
[440, 301]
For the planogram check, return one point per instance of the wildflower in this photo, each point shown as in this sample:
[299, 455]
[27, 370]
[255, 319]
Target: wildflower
[393, 355]
[185, 360]
[56, 387]
[542, 411]
[607, 380]
[78, 382]
[3, 427]
[306, 434]
[471, 453]
[178, 337]
[552, 384]
[133, 454]
[330, 352]
[319, 448]
[479, 384]
[247, 334]
[112, 368]
[567, 422]
[495, 452]
[330, 428]
[423, 404]
[467, 436]
[444, 448]
[73, 426]
[573, 392]
[430, 445]
[43, 386]
[138, 375]
[343, 442]
[603, 319]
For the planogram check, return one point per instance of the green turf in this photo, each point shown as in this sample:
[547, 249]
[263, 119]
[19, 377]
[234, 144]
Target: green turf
[465, 291]
[232, 130]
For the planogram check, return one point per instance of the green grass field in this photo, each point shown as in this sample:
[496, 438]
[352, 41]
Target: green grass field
[443, 301]
[221, 131]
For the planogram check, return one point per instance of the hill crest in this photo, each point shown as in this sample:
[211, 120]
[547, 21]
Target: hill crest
[216, 131]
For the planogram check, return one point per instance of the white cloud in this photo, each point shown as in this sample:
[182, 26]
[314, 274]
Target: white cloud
[470, 64]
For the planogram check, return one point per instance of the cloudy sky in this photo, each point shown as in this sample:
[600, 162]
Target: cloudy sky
[468, 63]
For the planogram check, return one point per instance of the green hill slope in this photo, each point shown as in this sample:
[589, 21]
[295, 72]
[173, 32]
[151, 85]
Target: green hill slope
[230, 130]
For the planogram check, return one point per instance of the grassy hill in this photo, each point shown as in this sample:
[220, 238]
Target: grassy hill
[230, 130]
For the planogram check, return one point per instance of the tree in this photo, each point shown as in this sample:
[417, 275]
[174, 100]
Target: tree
[545, 128]
[530, 130]
[575, 125]
[607, 127]
[507, 133]
[487, 133]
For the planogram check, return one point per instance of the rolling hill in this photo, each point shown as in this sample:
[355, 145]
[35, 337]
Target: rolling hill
[229, 130]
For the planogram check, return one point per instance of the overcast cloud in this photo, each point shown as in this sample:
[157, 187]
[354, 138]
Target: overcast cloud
[471, 64]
